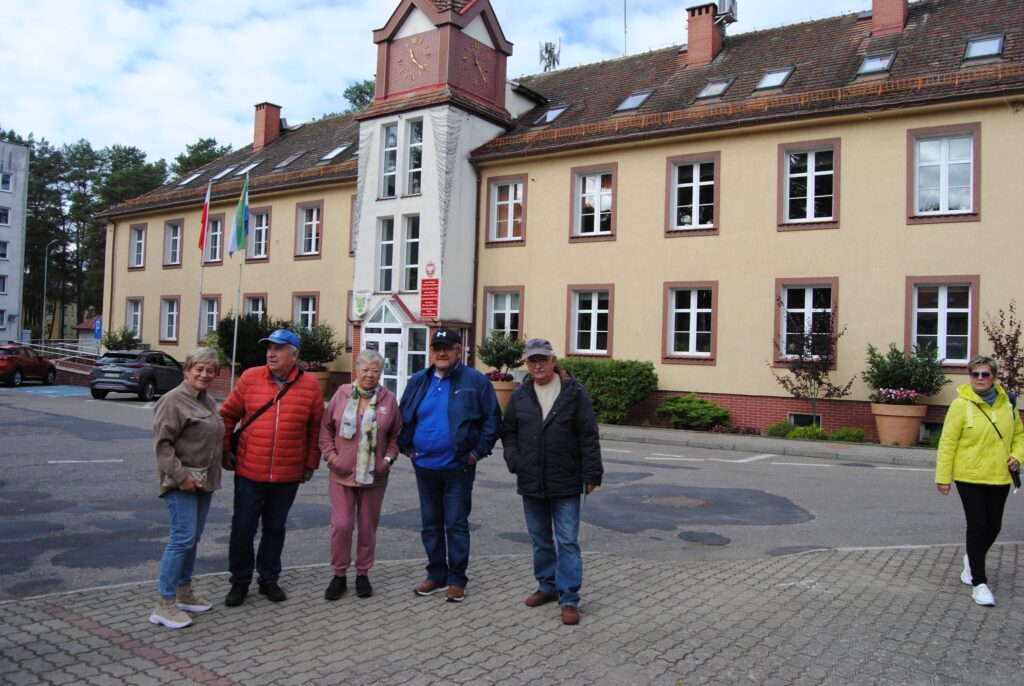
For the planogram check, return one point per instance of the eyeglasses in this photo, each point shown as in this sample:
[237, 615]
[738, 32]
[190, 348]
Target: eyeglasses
[981, 375]
[538, 363]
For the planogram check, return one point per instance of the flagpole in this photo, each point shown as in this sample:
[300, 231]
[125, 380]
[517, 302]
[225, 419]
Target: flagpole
[238, 300]
[203, 220]
[239, 236]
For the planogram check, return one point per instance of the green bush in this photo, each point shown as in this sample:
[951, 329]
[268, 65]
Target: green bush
[847, 435]
[212, 341]
[814, 433]
[691, 412]
[251, 329]
[779, 429]
[319, 346]
[122, 339]
[614, 385]
[502, 353]
[921, 371]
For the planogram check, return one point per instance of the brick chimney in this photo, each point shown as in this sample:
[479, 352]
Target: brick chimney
[268, 125]
[704, 36]
[888, 16]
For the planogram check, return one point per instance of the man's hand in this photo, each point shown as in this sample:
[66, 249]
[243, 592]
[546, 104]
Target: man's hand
[471, 460]
[307, 474]
[227, 461]
[590, 488]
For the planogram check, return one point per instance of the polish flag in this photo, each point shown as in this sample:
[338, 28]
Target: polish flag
[205, 218]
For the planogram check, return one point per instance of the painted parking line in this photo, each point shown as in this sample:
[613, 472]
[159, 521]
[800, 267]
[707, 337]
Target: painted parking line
[51, 391]
[744, 460]
[801, 464]
[613, 450]
[80, 461]
[678, 458]
[906, 469]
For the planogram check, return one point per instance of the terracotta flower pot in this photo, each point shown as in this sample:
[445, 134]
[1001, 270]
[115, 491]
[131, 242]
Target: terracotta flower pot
[898, 424]
[503, 389]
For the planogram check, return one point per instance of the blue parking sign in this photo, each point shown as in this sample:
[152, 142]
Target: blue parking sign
[97, 328]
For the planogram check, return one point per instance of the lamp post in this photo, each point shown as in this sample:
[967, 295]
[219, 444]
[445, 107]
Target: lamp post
[46, 264]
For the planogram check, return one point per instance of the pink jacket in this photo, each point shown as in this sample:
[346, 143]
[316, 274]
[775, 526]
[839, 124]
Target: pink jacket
[340, 452]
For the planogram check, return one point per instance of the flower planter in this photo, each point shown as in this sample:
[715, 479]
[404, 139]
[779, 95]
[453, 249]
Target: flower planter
[898, 424]
[503, 389]
[322, 378]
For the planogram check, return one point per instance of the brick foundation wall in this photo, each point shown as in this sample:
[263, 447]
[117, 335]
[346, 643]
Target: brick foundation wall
[760, 411]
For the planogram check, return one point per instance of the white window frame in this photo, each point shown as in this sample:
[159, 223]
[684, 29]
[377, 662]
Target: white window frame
[945, 162]
[696, 184]
[808, 310]
[590, 186]
[389, 161]
[7, 182]
[774, 78]
[172, 243]
[715, 88]
[214, 241]
[5, 216]
[811, 175]
[876, 63]
[3, 284]
[133, 317]
[502, 308]
[137, 247]
[4, 250]
[551, 115]
[260, 232]
[978, 45]
[943, 312]
[410, 253]
[512, 219]
[211, 315]
[595, 312]
[309, 236]
[251, 303]
[169, 316]
[305, 310]
[414, 150]
[634, 100]
[387, 248]
[3, 319]
[694, 309]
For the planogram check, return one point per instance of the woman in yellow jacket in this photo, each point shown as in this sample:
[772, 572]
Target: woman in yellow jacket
[982, 442]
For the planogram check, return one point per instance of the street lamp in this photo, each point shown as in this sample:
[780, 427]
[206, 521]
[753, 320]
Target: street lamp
[46, 264]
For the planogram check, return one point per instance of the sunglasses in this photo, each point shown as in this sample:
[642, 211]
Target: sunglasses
[981, 375]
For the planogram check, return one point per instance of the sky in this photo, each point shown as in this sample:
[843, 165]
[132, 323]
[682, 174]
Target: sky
[160, 74]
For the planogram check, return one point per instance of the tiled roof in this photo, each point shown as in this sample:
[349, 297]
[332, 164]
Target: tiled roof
[458, 5]
[435, 97]
[310, 141]
[825, 54]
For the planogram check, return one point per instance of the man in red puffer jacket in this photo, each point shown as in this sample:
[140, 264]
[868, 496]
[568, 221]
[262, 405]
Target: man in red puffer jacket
[275, 453]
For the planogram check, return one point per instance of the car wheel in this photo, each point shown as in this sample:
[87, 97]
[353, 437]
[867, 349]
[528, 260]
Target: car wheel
[148, 391]
[51, 377]
[98, 394]
[16, 378]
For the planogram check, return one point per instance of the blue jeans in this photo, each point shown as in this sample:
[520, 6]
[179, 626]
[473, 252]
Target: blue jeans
[264, 504]
[188, 512]
[560, 572]
[446, 497]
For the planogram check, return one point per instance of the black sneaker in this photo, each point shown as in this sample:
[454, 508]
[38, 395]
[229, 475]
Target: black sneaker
[273, 592]
[236, 596]
[337, 588]
[363, 587]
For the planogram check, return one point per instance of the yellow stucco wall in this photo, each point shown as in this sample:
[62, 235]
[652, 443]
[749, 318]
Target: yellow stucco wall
[871, 253]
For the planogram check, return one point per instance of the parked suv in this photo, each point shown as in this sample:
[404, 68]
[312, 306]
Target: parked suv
[19, 362]
[145, 372]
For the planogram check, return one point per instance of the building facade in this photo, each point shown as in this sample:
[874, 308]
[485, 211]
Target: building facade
[698, 206]
[14, 169]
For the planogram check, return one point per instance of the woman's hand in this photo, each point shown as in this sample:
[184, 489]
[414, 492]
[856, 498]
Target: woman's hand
[943, 488]
[189, 484]
[1013, 464]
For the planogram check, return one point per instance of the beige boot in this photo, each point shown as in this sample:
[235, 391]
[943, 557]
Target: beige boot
[167, 613]
[187, 600]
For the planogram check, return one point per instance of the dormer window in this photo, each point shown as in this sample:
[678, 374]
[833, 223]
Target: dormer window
[334, 153]
[247, 168]
[877, 64]
[225, 172]
[190, 179]
[715, 88]
[288, 160]
[634, 101]
[551, 115]
[776, 78]
[991, 46]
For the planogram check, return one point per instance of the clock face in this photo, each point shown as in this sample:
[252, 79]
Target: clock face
[477, 65]
[414, 60]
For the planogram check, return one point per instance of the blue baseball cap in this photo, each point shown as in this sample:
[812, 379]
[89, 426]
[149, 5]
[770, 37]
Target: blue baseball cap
[283, 337]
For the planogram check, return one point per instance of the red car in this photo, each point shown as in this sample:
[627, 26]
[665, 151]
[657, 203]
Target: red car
[19, 362]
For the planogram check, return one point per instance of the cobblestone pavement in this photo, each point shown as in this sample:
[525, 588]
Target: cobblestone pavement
[875, 616]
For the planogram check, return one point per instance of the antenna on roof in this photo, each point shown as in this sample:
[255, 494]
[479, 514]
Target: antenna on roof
[625, 30]
[726, 12]
[550, 54]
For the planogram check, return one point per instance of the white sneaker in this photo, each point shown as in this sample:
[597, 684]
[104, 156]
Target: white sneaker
[167, 613]
[983, 596]
[965, 575]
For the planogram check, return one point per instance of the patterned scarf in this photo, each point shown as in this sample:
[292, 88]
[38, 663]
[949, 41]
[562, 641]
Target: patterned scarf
[365, 454]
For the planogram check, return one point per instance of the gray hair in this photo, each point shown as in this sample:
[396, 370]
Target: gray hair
[368, 356]
[200, 355]
[982, 361]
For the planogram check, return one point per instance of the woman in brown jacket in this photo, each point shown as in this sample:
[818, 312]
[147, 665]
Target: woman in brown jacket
[359, 442]
[187, 433]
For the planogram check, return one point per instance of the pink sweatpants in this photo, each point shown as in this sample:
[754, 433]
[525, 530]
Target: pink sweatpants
[348, 506]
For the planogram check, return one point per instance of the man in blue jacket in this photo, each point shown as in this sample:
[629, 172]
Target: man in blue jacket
[450, 419]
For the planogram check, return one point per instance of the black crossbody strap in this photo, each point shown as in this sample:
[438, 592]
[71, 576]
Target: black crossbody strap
[256, 415]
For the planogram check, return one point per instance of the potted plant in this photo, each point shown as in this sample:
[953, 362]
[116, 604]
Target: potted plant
[899, 381]
[319, 347]
[503, 353]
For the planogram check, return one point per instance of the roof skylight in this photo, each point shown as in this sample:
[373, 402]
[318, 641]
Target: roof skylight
[190, 179]
[715, 88]
[225, 172]
[551, 115]
[991, 46]
[288, 160]
[337, 151]
[877, 64]
[247, 168]
[775, 78]
[634, 101]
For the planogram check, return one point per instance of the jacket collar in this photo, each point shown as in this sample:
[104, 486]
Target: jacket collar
[291, 377]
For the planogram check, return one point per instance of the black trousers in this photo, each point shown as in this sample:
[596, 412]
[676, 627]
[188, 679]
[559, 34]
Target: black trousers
[983, 508]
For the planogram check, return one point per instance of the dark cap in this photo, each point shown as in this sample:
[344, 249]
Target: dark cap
[282, 337]
[538, 346]
[446, 336]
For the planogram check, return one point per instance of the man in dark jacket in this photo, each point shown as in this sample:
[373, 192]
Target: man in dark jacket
[551, 444]
[450, 420]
